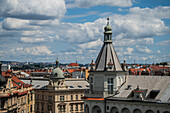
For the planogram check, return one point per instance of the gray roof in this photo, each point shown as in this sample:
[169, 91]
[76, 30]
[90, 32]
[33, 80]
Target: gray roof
[106, 54]
[72, 83]
[76, 83]
[149, 83]
[37, 84]
[166, 96]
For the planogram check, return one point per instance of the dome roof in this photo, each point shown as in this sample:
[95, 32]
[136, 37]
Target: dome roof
[57, 73]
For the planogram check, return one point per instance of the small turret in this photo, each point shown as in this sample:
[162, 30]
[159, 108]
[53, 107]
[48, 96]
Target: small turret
[92, 65]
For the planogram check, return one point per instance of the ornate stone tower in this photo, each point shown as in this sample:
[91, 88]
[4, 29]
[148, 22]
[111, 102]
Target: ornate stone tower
[107, 74]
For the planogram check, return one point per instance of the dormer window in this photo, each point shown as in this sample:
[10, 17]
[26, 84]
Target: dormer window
[153, 94]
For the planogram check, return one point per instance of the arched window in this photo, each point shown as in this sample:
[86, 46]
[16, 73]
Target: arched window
[125, 110]
[149, 111]
[114, 110]
[96, 109]
[86, 109]
[166, 112]
[137, 111]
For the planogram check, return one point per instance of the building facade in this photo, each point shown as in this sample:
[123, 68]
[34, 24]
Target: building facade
[59, 94]
[15, 95]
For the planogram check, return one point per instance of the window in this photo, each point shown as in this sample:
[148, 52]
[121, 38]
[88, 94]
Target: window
[21, 100]
[91, 85]
[71, 86]
[28, 110]
[37, 97]
[42, 107]
[110, 85]
[11, 101]
[50, 98]
[42, 97]
[76, 97]
[79, 86]
[154, 93]
[71, 107]
[37, 106]
[31, 96]
[31, 108]
[48, 108]
[76, 107]
[61, 98]
[71, 97]
[28, 98]
[81, 106]
[64, 108]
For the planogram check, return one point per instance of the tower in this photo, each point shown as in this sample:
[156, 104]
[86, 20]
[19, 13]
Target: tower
[106, 76]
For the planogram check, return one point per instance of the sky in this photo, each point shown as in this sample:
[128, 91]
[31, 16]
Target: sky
[72, 30]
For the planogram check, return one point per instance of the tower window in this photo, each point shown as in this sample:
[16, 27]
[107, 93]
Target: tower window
[110, 85]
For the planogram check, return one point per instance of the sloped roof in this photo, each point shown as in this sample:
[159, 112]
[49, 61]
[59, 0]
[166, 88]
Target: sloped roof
[73, 64]
[148, 83]
[107, 54]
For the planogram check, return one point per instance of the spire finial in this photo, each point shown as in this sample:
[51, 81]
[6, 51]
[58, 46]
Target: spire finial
[57, 63]
[107, 20]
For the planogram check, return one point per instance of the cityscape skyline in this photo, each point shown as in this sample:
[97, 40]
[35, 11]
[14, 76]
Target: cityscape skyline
[72, 30]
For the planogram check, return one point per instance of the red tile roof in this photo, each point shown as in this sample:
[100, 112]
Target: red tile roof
[73, 64]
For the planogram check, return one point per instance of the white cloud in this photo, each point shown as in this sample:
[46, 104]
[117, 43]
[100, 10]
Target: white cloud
[159, 51]
[158, 12]
[143, 49]
[33, 9]
[92, 44]
[90, 3]
[164, 43]
[128, 51]
[17, 24]
[37, 50]
[32, 40]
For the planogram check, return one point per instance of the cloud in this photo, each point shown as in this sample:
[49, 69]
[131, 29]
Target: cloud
[36, 51]
[137, 26]
[161, 12]
[32, 40]
[159, 51]
[92, 44]
[128, 51]
[33, 9]
[164, 43]
[82, 15]
[16, 24]
[143, 49]
[90, 3]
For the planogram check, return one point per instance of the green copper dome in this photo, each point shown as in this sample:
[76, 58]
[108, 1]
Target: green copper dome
[108, 28]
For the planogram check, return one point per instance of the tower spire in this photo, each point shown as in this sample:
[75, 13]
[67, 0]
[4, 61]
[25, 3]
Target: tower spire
[108, 32]
[107, 20]
[57, 63]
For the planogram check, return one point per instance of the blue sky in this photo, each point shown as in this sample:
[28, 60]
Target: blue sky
[72, 30]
